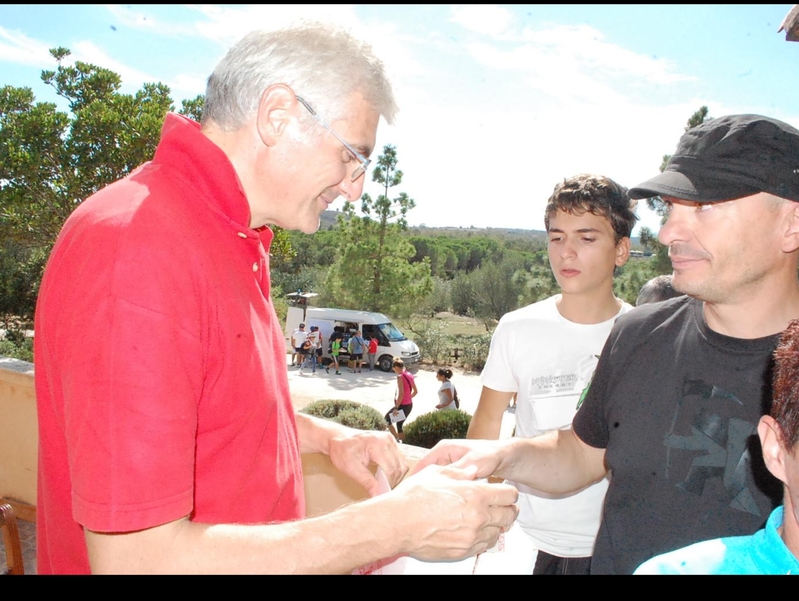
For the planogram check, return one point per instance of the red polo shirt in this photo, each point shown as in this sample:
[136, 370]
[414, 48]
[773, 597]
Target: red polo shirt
[160, 376]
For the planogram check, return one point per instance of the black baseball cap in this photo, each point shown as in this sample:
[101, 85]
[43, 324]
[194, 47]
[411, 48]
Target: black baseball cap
[730, 157]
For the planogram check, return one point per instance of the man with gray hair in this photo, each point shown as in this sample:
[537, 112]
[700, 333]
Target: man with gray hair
[168, 441]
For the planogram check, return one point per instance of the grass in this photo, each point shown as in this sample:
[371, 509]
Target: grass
[461, 325]
[447, 338]
[454, 325]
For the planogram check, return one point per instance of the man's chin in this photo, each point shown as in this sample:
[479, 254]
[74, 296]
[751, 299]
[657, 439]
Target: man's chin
[311, 228]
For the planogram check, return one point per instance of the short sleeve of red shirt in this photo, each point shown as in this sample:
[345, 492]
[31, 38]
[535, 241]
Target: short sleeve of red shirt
[129, 363]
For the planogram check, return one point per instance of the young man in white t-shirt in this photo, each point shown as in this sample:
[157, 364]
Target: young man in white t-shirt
[545, 355]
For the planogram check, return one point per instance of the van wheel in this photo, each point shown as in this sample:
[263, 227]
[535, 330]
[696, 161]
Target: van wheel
[385, 362]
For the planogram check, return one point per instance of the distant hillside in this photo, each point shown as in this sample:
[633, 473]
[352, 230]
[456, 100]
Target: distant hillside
[329, 219]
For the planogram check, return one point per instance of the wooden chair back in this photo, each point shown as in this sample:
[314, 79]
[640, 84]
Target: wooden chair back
[8, 524]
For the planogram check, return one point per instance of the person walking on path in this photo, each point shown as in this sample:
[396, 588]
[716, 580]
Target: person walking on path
[335, 349]
[447, 395]
[297, 340]
[406, 390]
[312, 346]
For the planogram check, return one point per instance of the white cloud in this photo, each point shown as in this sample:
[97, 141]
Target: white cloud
[185, 86]
[570, 50]
[16, 47]
[586, 44]
[485, 19]
[226, 24]
[89, 52]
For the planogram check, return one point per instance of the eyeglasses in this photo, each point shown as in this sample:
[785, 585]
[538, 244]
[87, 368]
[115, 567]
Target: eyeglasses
[364, 162]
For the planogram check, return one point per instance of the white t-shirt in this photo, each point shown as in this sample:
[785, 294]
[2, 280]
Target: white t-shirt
[299, 337]
[443, 398]
[548, 361]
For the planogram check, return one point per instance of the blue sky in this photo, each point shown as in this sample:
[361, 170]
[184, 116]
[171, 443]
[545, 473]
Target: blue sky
[497, 102]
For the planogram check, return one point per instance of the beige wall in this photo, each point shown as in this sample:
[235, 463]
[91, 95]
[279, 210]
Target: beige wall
[19, 433]
[325, 487]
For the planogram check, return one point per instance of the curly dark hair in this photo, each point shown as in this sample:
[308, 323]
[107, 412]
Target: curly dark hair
[595, 194]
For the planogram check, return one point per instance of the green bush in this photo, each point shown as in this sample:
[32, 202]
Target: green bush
[475, 350]
[22, 350]
[428, 429]
[347, 413]
[433, 342]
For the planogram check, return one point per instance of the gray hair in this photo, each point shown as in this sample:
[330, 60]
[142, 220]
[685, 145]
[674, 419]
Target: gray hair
[321, 63]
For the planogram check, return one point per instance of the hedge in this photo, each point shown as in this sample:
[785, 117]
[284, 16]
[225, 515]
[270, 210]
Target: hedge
[347, 413]
[428, 429]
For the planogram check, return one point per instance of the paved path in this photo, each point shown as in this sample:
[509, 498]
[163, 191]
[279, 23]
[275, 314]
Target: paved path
[377, 388]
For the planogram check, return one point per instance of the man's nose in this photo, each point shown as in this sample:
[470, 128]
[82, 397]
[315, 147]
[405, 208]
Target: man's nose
[676, 226]
[352, 190]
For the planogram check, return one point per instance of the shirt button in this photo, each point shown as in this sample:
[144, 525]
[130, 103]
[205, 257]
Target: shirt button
[241, 234]
[255, 266]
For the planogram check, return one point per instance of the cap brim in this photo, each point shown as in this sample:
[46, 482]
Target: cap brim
[667, 183]
[676, 184]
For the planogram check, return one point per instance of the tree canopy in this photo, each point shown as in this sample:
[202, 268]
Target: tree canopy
[51, 160]
[373, 270]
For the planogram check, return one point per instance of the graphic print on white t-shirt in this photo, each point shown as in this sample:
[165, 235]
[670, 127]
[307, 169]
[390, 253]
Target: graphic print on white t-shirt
[551, 396]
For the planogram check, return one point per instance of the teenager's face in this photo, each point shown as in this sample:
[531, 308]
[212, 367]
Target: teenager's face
[583, 252]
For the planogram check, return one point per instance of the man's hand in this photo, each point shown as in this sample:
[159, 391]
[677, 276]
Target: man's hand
[556, 462]
[481, 458]
[351, 451]
[447, 515]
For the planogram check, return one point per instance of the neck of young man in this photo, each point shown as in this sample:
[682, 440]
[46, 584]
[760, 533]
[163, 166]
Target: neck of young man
[589, 307]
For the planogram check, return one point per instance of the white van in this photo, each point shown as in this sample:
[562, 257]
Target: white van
[391, 342]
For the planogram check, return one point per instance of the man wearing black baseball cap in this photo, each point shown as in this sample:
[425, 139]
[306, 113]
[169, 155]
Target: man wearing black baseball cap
[673, 407]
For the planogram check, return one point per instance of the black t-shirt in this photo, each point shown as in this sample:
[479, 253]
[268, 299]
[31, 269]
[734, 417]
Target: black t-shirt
[676, 407]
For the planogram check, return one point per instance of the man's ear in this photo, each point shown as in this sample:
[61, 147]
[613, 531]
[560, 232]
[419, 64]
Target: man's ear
[274, 113]
[790, 241]
[771, 442]
[622, 251]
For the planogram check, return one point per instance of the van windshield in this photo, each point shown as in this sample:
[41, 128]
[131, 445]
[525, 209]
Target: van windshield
[391, 332]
